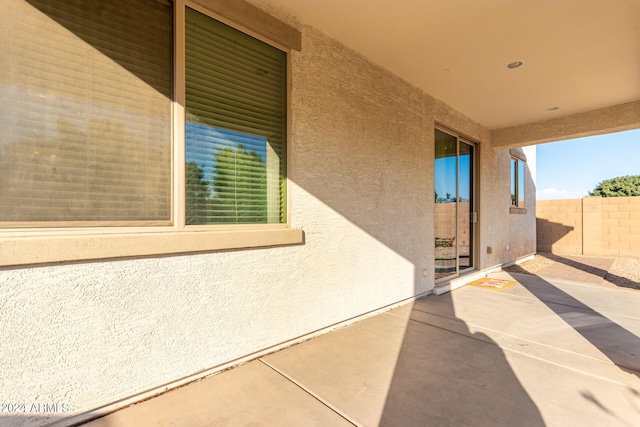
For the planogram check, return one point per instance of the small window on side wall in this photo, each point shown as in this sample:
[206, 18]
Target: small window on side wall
[517, 183]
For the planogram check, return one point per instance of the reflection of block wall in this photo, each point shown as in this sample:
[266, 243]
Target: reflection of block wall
[445, 221]
[607, 226]
[463, 223]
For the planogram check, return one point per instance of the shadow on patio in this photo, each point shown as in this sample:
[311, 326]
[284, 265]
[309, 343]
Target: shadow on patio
[543, 352]
[413, 365]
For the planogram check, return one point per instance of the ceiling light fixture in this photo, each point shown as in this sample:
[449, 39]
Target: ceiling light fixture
[515, 64]
[553, 108]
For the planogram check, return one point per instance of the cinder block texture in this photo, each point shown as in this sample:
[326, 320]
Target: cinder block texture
[589, 226]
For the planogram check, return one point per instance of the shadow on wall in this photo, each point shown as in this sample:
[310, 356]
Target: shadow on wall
[549, 233]
[106, 12]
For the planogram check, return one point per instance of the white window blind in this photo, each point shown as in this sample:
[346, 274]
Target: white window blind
[235, 125]
[85, 112]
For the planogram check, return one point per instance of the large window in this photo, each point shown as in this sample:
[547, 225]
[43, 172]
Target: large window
[141, 127]
[85, 113]
[88, 119]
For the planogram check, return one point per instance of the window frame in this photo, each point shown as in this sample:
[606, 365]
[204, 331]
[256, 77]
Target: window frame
[286, 142]
[31, 245]
[517, 160]
[179, 209]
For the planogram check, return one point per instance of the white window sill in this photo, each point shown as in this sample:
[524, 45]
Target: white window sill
[42, 249]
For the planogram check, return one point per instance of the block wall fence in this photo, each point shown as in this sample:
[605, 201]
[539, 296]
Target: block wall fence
[445, 221]
[599, 226]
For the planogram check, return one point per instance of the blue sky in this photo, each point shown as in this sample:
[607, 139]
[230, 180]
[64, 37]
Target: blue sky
[570, 169]
[204, 141]
[445, 172]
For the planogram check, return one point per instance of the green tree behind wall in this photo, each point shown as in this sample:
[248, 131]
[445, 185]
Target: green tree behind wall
[235, 193]
[197, 194]
[623, 186]
[240, 186]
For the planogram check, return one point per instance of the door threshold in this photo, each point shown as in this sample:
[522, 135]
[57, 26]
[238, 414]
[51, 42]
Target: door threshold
[458, 281]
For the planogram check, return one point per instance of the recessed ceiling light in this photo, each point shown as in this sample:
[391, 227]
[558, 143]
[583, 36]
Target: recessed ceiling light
[515, 64]
[553, 108]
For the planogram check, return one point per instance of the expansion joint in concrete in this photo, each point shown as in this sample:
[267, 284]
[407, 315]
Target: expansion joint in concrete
[310, 393]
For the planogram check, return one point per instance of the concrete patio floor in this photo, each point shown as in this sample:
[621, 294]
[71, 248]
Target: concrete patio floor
[545, 352]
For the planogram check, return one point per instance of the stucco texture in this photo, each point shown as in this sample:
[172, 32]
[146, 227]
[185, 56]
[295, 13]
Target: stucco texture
[361, 188]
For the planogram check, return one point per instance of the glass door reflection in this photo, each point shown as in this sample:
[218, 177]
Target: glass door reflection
[454, 214]
[465, 203]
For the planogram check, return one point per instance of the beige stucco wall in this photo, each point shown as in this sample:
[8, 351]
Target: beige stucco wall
[361, 188]
[612, 119]
[523, 226]
[608, 226]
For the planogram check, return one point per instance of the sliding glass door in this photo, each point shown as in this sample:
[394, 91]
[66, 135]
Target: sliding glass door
[454, 204]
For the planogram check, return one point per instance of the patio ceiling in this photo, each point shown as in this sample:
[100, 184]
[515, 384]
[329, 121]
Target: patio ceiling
[579, 55]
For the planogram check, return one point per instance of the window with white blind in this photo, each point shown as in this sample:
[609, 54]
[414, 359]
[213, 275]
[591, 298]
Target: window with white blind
[88, 118]
[85, 113]
[141, 127]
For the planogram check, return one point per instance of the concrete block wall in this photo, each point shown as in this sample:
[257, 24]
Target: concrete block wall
[591, 226]
[559, 225]
[621, 226]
